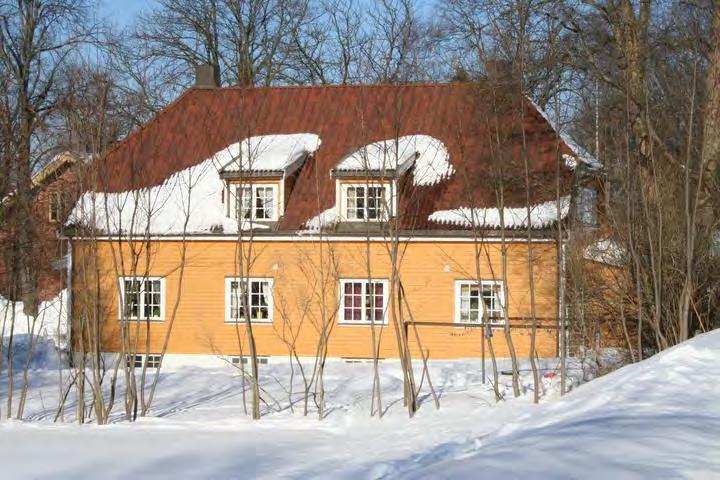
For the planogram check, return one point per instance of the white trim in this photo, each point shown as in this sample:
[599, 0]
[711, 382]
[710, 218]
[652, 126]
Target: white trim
[309, 236]
[141, 302]
[389, 201]
[271, 303]
[364, 282]
[281, 198]
[460, 283]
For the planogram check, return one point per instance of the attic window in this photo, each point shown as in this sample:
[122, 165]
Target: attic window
[369, 202]
[257, 202]
[55, 206]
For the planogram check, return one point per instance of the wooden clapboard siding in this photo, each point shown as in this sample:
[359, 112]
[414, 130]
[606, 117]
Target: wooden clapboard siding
[428, 270]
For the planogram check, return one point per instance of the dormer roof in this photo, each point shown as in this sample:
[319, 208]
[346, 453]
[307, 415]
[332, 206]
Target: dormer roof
[266, 155]
[393, 157]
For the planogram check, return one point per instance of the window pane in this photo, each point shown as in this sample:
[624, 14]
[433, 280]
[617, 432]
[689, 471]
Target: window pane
[132, 298]
[492, 302]
[355, 203]
[352, 301]
[236, 301]
[375, 203]
[264, 203]
[151, 308]
[360, 203]
[374, 302]
[259, 300]
[469, 302]
[243, 203]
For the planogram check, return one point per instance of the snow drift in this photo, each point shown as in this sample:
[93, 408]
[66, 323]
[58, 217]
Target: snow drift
[659, 418]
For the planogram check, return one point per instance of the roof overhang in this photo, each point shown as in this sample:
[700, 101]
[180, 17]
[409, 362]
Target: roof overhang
[239, 175]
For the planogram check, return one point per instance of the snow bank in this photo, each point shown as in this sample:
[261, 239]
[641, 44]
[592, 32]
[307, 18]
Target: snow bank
[267, 152]
[579, 152]
[431, 157]
[541, 215]
[51, 321]
[659, 418]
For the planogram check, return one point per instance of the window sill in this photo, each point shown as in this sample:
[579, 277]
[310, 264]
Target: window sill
[461, 323]
[151, 320]
[253, 322]
[362, 324]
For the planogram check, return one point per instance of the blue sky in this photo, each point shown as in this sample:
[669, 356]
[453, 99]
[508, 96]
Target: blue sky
[123, 12]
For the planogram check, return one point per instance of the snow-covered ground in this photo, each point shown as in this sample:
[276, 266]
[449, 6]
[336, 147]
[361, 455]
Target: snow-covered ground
[656, 419]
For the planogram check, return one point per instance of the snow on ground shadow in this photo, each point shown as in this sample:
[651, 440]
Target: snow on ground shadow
[655, 419]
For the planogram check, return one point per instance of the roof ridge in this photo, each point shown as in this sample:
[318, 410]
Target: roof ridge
[339, 86]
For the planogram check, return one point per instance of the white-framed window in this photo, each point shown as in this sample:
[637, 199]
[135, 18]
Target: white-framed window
[256, 202]
[259, 298]
[361, 202]
[136, 361]
[473, 299]
[142, 298]
[363, 302]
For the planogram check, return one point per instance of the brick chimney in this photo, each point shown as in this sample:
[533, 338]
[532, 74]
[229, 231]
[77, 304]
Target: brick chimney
[207, 76]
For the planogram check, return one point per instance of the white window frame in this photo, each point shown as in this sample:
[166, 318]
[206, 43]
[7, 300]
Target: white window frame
[271, 304]
[141, 301]
[363, 320]
[385, 212]
[237, 197]
[481, 304]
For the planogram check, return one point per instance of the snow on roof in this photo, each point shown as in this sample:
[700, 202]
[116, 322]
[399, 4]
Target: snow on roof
[267, 152]
[579, 152]
[193, 195]
[324, 219]
[53, 166]
[431, 158]
[541, 215]
[606, 251]
[51, 322]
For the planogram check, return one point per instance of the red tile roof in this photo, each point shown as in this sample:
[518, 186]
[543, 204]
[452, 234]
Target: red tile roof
[203, 121]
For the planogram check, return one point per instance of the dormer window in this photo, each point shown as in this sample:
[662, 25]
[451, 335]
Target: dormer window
[260, 173]
[366, 202]
[257, 202]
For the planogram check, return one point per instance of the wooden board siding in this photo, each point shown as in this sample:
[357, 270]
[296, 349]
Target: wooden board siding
[428, 270]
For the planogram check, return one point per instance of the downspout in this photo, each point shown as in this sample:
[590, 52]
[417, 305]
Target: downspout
[68, 307]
